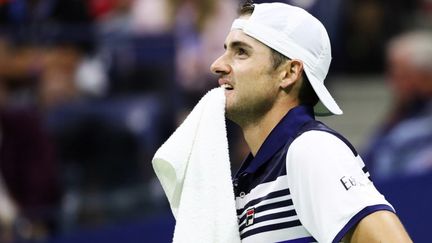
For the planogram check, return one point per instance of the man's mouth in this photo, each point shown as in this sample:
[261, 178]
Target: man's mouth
[227, 86]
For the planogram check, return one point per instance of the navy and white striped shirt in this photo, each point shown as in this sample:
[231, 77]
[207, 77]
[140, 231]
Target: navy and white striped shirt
[305, 184]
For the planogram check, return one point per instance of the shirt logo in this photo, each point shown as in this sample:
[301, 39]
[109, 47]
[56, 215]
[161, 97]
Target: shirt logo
[250, 216]
[348, 182]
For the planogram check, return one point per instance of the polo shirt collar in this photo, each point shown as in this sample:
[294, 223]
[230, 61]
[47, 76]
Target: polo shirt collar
[286, 129]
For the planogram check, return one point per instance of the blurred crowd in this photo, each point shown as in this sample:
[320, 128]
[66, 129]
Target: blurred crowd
[402, 145]
[89, 89]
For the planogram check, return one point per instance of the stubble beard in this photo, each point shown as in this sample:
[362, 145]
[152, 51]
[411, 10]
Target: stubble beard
[249, 111]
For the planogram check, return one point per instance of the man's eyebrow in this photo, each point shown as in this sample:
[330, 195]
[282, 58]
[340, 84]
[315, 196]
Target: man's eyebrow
[236, 44]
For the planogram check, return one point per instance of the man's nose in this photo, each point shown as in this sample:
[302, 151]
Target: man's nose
[220, 66]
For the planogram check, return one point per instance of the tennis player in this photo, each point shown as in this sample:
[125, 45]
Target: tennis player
[302, 181]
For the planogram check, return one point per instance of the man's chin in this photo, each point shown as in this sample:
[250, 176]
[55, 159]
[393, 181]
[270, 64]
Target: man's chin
[233, 115]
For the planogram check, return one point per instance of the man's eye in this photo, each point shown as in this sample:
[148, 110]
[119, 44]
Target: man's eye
[241, 51]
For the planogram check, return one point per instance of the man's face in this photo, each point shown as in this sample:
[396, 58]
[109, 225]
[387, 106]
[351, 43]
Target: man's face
[401, 75]
[247, 74]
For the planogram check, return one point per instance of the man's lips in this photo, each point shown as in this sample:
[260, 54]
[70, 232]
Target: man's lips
[224, 83]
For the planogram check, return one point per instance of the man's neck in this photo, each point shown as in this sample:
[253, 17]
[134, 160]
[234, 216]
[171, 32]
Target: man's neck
[255, 133]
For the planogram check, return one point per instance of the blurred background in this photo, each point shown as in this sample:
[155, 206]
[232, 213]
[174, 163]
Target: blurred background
[89, 89]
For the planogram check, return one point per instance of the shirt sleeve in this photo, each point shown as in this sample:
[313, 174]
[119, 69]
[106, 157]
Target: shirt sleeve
[330, 189]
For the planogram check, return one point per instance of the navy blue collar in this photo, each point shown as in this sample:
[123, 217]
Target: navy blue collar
[286, 129]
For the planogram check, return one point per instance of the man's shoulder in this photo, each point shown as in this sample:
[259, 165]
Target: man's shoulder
[316, 134]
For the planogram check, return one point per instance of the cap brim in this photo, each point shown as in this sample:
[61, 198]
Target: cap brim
[326, 106]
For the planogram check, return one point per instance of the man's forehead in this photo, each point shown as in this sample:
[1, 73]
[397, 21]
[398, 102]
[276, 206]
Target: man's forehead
[238, 36]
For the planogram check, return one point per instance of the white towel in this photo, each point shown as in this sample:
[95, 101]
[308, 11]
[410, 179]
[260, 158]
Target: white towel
[194, 170]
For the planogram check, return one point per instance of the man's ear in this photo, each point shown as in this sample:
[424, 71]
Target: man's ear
[292, 73]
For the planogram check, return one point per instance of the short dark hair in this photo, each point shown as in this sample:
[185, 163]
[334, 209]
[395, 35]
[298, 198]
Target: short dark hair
[307, 95]
[246, 8]
[277, 58]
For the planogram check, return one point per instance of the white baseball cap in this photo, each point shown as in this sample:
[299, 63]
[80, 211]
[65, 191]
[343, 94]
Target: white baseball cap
[296, 34]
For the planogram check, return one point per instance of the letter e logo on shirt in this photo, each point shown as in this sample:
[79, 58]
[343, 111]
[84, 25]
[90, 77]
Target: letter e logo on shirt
[348, 182]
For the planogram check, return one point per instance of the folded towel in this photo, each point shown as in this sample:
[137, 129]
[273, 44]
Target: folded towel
[194, 170]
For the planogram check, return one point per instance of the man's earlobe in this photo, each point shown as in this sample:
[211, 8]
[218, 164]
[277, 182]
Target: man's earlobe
[292, 73]
[287, 81]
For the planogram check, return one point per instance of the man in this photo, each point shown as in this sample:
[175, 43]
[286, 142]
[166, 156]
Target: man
[402, 146]
[302, 182]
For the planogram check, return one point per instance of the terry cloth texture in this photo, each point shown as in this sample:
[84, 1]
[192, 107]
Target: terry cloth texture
[194, 169]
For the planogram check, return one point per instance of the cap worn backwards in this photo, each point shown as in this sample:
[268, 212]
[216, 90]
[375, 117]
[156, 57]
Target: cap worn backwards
[296, 34]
